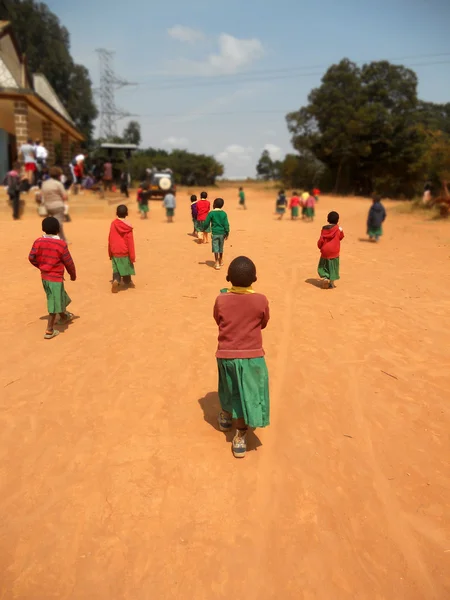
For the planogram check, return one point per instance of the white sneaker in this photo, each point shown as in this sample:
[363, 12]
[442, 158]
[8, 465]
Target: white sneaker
[240, 444]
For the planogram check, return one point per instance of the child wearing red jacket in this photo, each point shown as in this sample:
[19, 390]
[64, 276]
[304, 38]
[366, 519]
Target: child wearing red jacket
[121, 250]
[51, 256]
[330, 246]
[203, 208]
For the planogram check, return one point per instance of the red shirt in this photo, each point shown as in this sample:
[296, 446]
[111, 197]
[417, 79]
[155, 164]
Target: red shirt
[241, 319]
[295, 201]
[121, 240]
[203, 207]
[316, 192]
[330, 241]
[51, 255]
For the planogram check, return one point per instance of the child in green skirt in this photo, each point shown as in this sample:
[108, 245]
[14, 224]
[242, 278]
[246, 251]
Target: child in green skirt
[121, 250]
[241, 315]
[217, 219]
[330, 247]
[142, 198]
[375, 220]
[51, 256]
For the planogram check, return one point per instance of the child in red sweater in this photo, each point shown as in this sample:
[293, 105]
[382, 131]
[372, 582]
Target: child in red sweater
[203, 208]
[51, 256]
[330, 247]
[121, 250]
[294, 205]
[241, 315]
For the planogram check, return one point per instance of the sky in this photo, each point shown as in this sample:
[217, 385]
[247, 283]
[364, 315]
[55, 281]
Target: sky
[219, 77]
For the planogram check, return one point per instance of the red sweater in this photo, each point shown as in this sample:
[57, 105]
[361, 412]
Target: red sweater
[121, 241]
[241, 318]
[330, 241]
[203, 207]
[51, 256]
[295, 201]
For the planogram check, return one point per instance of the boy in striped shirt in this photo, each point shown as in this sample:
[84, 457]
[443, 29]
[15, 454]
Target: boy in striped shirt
[51, 256]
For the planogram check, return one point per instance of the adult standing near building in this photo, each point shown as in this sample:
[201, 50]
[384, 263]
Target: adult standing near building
[107, 175]
[54, 196]
[41, 154]
[28, 154]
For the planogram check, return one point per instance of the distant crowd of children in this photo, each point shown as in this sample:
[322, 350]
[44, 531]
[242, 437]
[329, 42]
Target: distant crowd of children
[306, 202]
[239, 311]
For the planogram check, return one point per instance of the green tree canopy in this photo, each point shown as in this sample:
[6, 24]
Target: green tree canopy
[46, 44]
[265, 167]
[132, 133]
[368, 128]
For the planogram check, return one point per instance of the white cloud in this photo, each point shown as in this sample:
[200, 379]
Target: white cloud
[175, 142]
[275, 151]
[185, 34]
[234, 154]
[233, 55]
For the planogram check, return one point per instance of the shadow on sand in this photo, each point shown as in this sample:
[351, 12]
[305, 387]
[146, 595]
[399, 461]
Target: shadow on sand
[208, 263]
[61, 327]
[315, 282]
[210, 406]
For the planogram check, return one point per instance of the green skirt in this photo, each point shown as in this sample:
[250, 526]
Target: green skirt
[170, 212]
[143, 208]
[294, 211]
[57, 297]
[280, 210]
[329, 268]
[310, 212]
[217, 243]
[244, 389]
[375, 232]
[122, 265]
[304, 210]
[201, 225]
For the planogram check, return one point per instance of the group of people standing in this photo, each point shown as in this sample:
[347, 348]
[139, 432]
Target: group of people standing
[306, 202]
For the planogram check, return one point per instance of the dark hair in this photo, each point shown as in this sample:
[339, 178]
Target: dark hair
[204, 195]
[333, 218]
[144, 186]
[50, 226]
[240, 189]
[242, 272]
[218, 203]
[55, 172]
[193, 198]
[295, 193]
[29, 141]
[376, 198]
[281, 192]
[17, 166]
[38, 142]
[122, 211]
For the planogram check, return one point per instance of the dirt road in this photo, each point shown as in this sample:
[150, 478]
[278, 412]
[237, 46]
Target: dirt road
[115, 483]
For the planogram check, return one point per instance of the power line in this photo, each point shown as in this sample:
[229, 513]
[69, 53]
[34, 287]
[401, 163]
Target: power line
[264, 74]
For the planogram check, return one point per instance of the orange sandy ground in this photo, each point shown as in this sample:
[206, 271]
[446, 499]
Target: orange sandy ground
[115, 483]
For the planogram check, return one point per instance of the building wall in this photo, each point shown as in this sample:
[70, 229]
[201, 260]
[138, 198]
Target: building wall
[4, 158]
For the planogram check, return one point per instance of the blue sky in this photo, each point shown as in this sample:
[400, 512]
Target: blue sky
[218, 77]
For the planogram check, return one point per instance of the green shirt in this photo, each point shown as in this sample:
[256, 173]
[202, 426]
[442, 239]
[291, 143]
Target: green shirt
[219, 221]
[241, 196]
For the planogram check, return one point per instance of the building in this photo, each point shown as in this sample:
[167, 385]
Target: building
[29, 108]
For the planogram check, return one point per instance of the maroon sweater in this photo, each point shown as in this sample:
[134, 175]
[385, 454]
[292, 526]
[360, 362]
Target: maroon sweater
[241, 318]
[51, 256]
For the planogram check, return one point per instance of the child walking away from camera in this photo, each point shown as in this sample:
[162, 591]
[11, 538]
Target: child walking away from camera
[330, 247]
[242, 198]
[13, 186]
[170, 204]
[194, 214]
[125, 180]
[241, 315]
[142, 198]
[121, 250]
[51, 256]
[218, 221]
[375, 220]
[203, 208]
[281, 205]
[310, 208]
[294, 206]
[316, 194]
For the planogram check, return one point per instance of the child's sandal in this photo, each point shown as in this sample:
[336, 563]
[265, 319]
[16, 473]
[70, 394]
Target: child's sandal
[49, 335]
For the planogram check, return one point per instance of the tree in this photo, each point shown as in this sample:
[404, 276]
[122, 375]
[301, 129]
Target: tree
[368, 128]
[265, 166]
[132, 133]
[46, 44]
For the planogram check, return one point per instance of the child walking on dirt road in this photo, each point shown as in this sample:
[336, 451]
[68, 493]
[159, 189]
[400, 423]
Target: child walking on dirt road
[51, 256]
[241, 315]
[121, 250]
[330, 247]
[218, 221]
[203, 208]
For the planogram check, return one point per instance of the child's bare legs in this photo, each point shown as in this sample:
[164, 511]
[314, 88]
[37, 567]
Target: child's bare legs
[205, 237]
[216, 258]
[51, 332]
[221, 259]
[128, 281]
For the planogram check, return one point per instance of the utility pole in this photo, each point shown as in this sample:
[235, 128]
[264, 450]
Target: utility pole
[109, 83]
